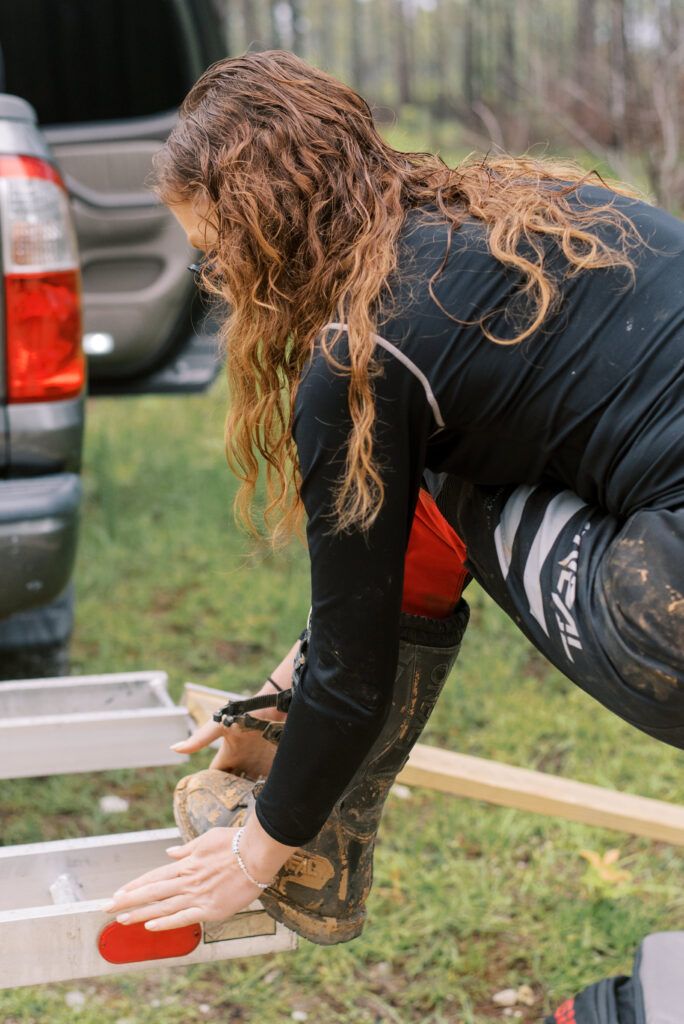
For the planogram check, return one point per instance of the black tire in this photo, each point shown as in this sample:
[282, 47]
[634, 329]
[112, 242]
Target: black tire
[35, 644]
[39, 662]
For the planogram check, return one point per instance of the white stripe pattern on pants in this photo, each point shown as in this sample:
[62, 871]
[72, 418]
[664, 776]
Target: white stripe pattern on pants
[557, 514]
[504, 535]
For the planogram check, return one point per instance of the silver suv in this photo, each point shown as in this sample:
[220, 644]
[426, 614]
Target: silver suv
[93, 267]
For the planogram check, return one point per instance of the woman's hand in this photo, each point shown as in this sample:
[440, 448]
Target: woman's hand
[203, 882]
[242, 751]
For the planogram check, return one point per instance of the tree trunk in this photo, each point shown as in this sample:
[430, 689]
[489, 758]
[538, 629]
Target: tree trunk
[402, 53]
[439, 60]
[378, 77]
[355, 35]
[507, 60]
[618, 72]
[472, 57]
[298, 43]
[325, 21]
[249, 18]
[225, 16]
[275, 40]
[585, 46]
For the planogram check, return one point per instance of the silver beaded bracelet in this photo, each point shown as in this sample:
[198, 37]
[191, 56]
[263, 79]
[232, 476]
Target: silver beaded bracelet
[236, 850]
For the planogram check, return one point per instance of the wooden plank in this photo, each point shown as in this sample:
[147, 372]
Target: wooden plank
[43, 942]
[508, 786]
[88, 723]
[203, 701]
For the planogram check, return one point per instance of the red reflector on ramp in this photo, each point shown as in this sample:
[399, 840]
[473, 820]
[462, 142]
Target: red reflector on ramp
[131, 943]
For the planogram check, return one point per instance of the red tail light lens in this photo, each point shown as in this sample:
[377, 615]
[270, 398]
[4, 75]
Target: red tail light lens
[42, 286]
[43, 329]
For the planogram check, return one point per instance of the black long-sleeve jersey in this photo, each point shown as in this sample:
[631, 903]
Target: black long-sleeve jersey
[593, 401]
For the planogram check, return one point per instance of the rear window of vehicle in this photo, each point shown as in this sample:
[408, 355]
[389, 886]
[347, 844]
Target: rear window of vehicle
[95, 60]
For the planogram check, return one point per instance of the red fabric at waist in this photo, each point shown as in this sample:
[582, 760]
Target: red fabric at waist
[434, 573]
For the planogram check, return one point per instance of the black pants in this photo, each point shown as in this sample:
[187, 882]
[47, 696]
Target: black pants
[602, 599]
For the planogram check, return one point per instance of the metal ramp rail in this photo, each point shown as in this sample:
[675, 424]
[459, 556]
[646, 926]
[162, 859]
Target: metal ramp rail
[52, 926]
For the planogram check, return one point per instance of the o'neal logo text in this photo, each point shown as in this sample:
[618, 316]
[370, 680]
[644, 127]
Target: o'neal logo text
[563, 597]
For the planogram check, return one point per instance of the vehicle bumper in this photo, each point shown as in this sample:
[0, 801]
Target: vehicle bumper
[38, 535]
[45, 437]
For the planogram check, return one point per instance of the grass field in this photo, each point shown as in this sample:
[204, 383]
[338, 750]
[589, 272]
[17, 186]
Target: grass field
[468, 899]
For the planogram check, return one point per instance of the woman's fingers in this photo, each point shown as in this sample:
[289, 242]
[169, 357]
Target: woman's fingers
[177, 852]
[155, 909]
[225, 757]
[245, 753]
[203, 736]
[158, 884]
[150, 893]
[161, 874]
[207, 886]
[191, 915]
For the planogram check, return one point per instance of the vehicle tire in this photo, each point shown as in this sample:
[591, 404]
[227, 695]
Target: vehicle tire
[35, 644]
[45, 661]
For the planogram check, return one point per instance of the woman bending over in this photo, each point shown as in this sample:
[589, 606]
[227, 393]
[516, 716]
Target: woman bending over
[507, 336]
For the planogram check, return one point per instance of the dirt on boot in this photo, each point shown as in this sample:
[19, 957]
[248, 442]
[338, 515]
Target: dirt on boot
[212, 799]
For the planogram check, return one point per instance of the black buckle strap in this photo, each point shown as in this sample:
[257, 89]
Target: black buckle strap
[270, 731]
[235, 709]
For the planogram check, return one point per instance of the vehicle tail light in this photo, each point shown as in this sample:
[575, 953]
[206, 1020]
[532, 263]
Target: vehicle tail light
[42, 284]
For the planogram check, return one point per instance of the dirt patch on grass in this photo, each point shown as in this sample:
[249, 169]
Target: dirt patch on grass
[168, 599]
[238, 650]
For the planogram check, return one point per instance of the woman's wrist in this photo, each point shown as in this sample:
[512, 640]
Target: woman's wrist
[270, 714]
[237, 838]
[262, 855]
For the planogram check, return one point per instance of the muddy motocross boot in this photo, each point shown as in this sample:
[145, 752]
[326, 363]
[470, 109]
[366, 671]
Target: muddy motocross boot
[321, 891]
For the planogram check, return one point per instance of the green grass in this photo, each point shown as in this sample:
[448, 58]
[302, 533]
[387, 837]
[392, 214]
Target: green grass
[468, 899]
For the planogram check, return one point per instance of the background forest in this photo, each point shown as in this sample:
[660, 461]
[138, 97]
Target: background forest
[601, 78]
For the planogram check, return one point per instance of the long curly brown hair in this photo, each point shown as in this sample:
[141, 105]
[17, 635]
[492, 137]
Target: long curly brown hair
[308, 201]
